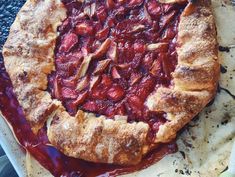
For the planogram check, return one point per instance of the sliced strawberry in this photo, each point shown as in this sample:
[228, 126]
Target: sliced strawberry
[135, 77]
[116, 93]
[110, 4]
[154, 8]
[120, 110]
[135, 102]
[99, 93]
[139, 47]
[156, 68]
[147, 61]
[104, 47]
[90, 106]
[95, 80]
[167, 68]
[102, 34]
[110, 112]
[169, 33]
[68, 42]
[102, 66]
[106, 80]
[166, 19]
[68, 93]
[136, 105]
[146, 86]
[112, 52]
[115, 73]
[111, 22]
[82, 83]
[84, 29]
[70, 82]
[101, 14]
[81, 98]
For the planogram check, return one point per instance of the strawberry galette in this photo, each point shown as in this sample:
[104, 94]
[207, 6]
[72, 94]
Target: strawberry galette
[109, 80]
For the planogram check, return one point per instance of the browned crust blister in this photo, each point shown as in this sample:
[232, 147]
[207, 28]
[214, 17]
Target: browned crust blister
[29, 58]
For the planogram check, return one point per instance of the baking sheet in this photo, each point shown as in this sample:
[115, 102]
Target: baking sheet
[215, 127]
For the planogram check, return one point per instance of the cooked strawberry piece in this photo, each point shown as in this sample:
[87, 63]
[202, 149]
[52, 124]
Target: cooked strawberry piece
[154, 8]
[70, 82]
[169, 33]
[95, 80]
[110, 4]
[68, 93]
[82, 83]
[135, 102]
[110, 112]
[115, 73]
[135, 77]
[111, 22]
[81, 98]
[120, 110]
[167, 69]
[103, 49]
[90, 106]
[84, 29]
[99, 93]
[65, 25]
[135, 2]
[120, 13]
[68, 42]
[129, 52]
[156, 68]
[102, 66]
[102, 34]
[101, 14]
[90, 9]
[139, 47]
[136, 105]
[167, 18]
[147, 61]
[167, 8]
[112, 52]
[158, 47]
[116, 93]
[146, 86]
[106, 80]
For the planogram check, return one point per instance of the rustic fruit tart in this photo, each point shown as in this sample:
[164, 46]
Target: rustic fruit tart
[109, 81]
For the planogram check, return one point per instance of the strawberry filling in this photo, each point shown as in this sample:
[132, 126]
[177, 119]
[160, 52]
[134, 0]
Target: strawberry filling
[111, 55]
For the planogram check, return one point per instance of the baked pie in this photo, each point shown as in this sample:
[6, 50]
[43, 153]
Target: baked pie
[108, 81]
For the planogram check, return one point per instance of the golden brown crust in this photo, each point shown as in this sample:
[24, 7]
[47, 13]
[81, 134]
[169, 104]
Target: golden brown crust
[29, 58]
[99, 139]
[196, 76]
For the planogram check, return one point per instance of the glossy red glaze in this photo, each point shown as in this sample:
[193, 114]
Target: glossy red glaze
[122, 81]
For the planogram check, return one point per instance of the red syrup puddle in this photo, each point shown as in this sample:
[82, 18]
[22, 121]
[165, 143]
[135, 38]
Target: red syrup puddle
[52, 159]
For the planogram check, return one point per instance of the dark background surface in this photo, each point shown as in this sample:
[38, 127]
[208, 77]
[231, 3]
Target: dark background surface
[8, 11]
